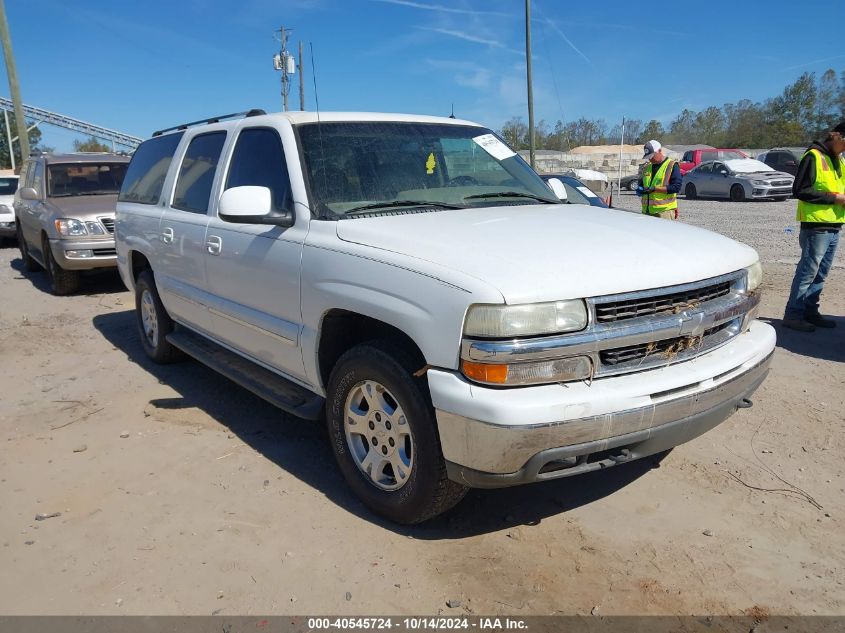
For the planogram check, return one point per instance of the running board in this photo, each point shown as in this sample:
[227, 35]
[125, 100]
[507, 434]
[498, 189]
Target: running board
[276, 390]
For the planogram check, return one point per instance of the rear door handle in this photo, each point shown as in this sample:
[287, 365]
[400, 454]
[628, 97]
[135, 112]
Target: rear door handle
[213, 244]
[167, 235]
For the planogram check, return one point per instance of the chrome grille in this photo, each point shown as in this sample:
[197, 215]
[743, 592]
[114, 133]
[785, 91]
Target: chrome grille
[667, 349]
[608, 312]
[108, 223]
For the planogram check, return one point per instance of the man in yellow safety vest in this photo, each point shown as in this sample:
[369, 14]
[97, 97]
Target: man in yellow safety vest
[820, 188]
[660, 183]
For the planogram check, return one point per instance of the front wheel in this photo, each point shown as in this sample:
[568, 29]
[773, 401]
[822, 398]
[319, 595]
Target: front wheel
[737, 193]
[29, 263]
[384, 436]
[632, 185]
[62, 282]
[154, 324]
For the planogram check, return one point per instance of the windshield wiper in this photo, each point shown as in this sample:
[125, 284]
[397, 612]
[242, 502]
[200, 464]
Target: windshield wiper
[401, 203]
[509, 194]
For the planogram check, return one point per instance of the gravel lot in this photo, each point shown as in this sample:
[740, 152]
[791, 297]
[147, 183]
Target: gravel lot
[180, 493]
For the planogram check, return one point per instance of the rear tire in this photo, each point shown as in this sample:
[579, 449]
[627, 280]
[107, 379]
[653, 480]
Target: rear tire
[737, 193]
[29, 264]
[62, 282]
[154, 324]
[384, 435]
[690, 191]
[632, 185]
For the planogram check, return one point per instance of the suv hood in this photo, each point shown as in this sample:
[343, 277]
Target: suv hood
[553, 252]
[86, 207]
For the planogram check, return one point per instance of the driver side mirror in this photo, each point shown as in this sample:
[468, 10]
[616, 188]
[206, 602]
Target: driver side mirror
[28, 193]
[251, 205]
[557, 187]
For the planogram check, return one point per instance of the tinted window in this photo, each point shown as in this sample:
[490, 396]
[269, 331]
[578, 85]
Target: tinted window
[258, 161]
[196, 174]
[705, 168]
[705, 156]
[85, 179]
[145, 176]
[8, 186]
[38, 178]
[687, 157]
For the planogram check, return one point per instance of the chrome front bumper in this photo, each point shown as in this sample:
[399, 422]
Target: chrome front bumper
[496, 437]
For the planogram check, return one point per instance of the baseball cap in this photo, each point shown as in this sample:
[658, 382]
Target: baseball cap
[650, 149]
[840, 127]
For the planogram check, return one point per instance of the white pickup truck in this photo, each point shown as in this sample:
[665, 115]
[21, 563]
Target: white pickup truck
[411, 280]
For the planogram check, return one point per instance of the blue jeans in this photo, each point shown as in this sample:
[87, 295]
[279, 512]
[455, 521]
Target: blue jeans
[818, 246]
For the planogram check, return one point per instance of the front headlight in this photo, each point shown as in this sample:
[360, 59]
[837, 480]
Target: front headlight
[71, 227]
[754, 276]
[531, 319]
[761, 183]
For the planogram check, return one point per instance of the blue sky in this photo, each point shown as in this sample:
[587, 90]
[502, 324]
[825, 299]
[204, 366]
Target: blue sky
[137, 66]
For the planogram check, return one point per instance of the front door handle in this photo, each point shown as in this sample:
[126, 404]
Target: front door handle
[213, 244]
[167, 235]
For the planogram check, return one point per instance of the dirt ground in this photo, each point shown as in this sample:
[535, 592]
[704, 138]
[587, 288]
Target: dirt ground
[181, 493]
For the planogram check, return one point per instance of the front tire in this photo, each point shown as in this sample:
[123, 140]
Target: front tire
[29, 263]
[632, 185]
[737, 193]
[384, 436]
[690, 191]
[62, 282]
[154, 324]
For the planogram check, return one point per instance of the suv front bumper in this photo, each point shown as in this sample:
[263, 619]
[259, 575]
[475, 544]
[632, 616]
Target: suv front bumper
[102, 254]
[501, 437]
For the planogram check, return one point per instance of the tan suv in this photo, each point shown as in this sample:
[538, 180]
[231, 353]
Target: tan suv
[64, 214]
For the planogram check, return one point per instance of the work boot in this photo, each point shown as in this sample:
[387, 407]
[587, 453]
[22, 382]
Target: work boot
[799, 324]
[819, 321]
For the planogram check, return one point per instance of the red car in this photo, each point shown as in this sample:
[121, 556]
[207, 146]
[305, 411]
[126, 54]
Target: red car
[694, 157]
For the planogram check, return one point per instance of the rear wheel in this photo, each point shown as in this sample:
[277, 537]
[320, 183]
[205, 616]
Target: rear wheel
[384, 436]
[737, 193]
[632, 185]
[29, 264]
[690, 191]
[154, 324]
[62, 282]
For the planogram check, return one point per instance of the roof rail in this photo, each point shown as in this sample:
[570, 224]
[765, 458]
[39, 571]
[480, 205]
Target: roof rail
[216, 119]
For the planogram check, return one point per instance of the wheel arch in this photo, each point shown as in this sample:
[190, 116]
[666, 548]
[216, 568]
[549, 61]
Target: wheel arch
[341, 330]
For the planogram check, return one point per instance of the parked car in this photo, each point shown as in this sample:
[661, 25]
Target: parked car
[65, 214]
[785, 160]
[576, 191]
[694, 157]
[413, 281]
[737, 179]
[8, 186]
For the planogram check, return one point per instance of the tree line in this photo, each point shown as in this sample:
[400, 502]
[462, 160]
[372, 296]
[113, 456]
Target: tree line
[804, 111]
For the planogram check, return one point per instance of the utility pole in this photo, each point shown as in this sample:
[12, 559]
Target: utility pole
[301, 80]
[530, 89]
[14, 88]
[284, 62]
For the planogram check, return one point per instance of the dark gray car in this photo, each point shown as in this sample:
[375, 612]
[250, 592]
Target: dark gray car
[738, 179]
[64, 214]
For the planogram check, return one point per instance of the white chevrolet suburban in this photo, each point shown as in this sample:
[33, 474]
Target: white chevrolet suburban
[413, 281]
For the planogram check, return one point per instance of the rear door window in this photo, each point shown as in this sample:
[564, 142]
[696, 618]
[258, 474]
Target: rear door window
[196, 174]
[145, 177]
[259, 161]
[38, 178]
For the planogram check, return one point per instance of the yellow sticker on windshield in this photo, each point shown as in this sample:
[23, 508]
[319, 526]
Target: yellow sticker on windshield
[430, 164]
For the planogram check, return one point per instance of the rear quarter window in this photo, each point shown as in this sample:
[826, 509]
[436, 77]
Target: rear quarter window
[145, 177]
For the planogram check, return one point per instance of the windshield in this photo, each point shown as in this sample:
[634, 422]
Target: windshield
[8, 186]
[84, 179]
[364, 168]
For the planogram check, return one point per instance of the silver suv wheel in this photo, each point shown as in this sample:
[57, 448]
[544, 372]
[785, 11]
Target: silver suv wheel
[378, 435]
[149, 320]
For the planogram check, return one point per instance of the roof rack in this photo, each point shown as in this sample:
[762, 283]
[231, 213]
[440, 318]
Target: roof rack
[216, 119]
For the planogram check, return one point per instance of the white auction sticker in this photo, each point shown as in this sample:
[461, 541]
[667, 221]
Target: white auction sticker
[494, 146]
[586, 191]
